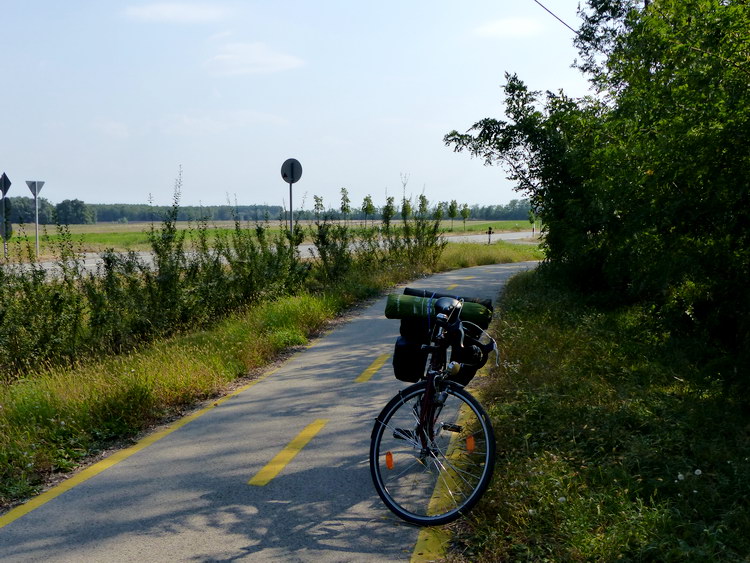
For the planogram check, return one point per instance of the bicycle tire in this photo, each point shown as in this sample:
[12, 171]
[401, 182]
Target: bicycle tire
[438, 484]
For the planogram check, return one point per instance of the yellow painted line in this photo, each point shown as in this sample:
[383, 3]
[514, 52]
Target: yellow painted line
[455, 285]
[281, 459]
[373, 369]
[115, 458]
[431, 545]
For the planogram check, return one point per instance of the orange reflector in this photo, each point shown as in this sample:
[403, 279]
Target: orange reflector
[389, 460]
[470, 444]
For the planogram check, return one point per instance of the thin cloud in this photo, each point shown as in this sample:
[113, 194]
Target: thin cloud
[510, 28]
[112, 129]
[189, 125]
[251, 58]
[176, 12]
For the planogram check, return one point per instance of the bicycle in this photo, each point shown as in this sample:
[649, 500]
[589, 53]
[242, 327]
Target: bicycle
[432, 449]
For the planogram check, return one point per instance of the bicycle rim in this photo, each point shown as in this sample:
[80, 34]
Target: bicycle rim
[432, 481]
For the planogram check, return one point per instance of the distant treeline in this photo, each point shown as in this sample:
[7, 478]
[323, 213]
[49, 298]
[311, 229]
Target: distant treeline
[139, 212]
[76, 212]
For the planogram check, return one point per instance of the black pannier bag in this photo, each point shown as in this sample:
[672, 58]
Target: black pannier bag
[410, 361]
[467, 352]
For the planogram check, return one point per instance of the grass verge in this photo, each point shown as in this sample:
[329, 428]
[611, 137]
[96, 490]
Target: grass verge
[51, 422]
[611, 446]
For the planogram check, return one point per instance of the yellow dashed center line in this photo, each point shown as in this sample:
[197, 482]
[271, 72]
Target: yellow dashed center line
[373, 369]
[115, 458]
[282, 459]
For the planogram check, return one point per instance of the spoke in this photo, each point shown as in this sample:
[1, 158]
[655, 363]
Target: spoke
[393, 429]
[394, 478]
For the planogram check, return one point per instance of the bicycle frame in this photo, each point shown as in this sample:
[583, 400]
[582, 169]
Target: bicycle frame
[431, 404]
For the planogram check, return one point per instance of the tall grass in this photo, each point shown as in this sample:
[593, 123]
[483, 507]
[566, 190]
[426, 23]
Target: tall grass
[611, 445]
[197, 275]
[466, 255]
[51, 421]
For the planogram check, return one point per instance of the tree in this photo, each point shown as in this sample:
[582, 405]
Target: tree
[423, 205]
[389, 212]
[24, 212]
[453, 211]
[368, 207]
[346, 207]
[643, 189]
[318, 208]
[74, 212]
[406, 209]
[465, 213]
[438, 212]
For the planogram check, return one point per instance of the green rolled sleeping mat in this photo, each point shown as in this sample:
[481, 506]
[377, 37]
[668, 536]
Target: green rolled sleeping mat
[411, 307]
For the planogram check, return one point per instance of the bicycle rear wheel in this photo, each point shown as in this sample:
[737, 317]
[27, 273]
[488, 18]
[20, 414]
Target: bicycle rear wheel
[436, 480]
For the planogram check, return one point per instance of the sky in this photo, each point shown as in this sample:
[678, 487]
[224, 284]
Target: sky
[110, 101]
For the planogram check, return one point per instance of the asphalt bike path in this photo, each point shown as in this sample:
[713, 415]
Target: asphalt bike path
[276, 472]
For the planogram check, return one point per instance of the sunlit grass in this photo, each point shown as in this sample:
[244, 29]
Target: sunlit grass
[466, 255]
[611, 446]
[51, 420]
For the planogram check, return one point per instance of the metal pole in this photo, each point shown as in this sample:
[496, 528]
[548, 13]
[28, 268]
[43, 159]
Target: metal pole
[291, 212]
[5, 242]
[36, 223]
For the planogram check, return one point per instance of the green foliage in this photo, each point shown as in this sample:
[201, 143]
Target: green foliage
[121, 212]
[389, 212]
[643, 189]
[195, 276]
[368, 208]
[612, 446]
[49, 319]
[332, 242]
[74, 212]
[23, 211]
[346, 204]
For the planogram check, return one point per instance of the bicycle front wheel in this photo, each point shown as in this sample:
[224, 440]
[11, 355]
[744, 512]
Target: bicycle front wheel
[432, 477]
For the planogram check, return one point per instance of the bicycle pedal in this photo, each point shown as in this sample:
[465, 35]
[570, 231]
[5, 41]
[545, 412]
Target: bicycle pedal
[451, 427]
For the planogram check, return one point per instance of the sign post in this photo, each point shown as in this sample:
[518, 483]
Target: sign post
[291, 172]
[4, 186]
[35, 188]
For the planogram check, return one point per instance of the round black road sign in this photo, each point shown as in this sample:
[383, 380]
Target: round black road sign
[291, 170]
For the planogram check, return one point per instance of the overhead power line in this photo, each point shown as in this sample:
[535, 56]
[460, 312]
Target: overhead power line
[555, 16]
